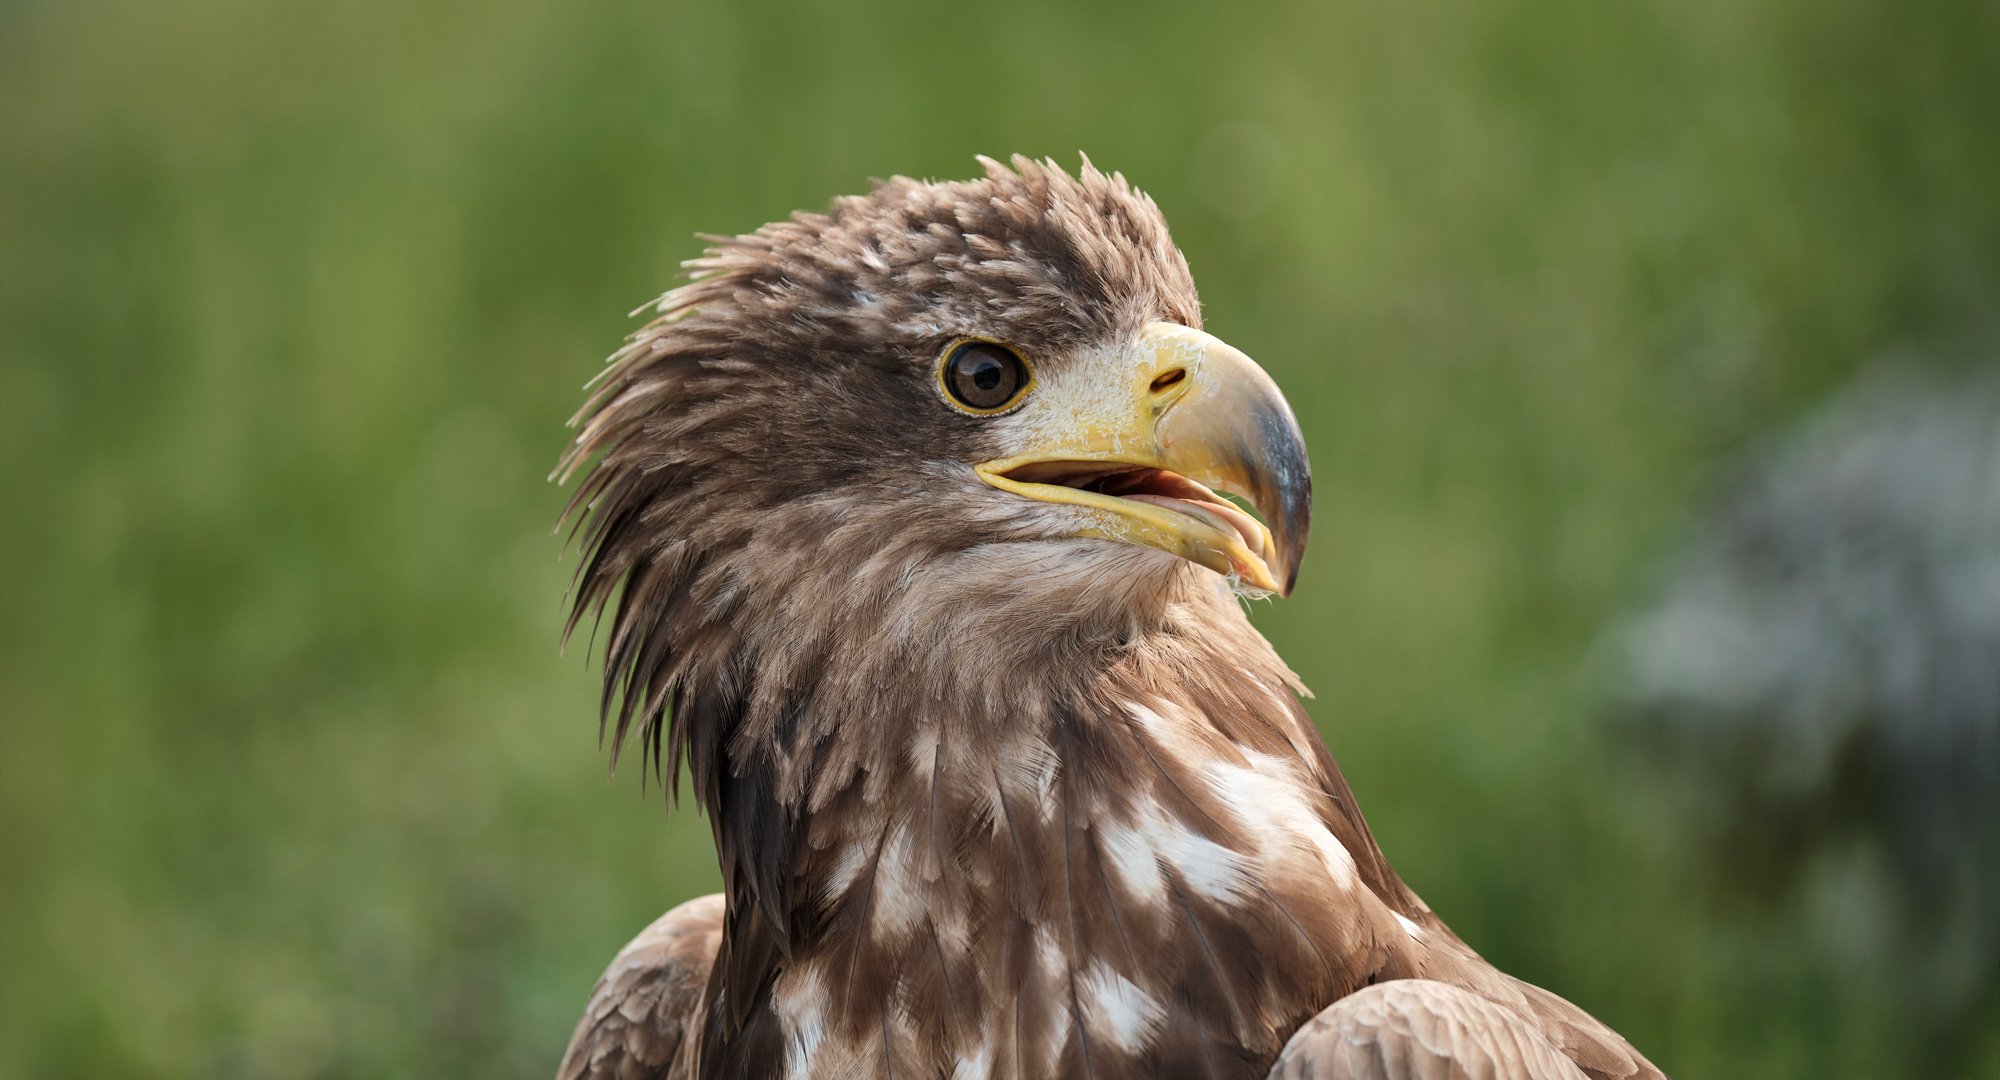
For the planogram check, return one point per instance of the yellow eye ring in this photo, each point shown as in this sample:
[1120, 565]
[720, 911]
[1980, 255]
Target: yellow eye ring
[983, 377]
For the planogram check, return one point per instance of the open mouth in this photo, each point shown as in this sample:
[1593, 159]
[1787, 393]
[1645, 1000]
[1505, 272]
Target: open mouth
[1156, 487]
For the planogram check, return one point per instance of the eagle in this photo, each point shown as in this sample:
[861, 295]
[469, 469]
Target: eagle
[914, 525]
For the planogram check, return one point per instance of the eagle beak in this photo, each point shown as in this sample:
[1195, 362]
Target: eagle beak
[1145, 437]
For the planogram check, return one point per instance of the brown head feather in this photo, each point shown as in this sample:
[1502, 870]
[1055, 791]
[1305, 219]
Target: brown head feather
[784, 397]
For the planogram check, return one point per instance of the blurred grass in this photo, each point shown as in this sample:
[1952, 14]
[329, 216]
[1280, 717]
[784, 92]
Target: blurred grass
[293, 300]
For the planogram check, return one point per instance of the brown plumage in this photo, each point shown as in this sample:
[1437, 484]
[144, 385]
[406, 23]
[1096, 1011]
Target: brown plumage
[643, 1020]
[1003, 782]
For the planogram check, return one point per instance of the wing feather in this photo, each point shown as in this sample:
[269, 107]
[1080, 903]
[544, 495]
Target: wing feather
[643, 1018]
[1417, 1029]
[1596, 1049]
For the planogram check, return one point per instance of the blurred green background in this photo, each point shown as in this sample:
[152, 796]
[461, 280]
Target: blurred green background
[294, 299]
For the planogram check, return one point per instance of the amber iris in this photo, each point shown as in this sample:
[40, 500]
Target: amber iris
[984, 376]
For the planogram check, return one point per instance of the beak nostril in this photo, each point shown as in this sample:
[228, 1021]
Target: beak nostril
[1169, 379]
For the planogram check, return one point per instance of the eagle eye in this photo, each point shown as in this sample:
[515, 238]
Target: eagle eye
[983, 376]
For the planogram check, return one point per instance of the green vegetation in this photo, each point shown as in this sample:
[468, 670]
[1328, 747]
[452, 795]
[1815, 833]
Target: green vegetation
[294, 299]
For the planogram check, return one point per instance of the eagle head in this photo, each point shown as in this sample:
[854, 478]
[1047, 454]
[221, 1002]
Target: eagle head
[978, 414]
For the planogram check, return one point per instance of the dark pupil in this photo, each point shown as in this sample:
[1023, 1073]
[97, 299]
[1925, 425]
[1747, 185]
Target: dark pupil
[985, 376]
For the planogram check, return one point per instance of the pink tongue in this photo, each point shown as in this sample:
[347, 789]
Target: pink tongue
[1175, 486]
[1217, 515]
[1245, 526]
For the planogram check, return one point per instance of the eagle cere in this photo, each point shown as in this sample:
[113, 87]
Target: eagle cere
[907, 520]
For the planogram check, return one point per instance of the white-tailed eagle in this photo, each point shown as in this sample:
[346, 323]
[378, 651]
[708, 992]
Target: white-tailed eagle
[906, 518]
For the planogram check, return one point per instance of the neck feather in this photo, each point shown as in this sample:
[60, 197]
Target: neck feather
[1087, 855]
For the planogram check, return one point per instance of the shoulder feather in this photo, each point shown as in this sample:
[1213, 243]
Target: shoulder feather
[646, 1005]
[1417, 1029]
